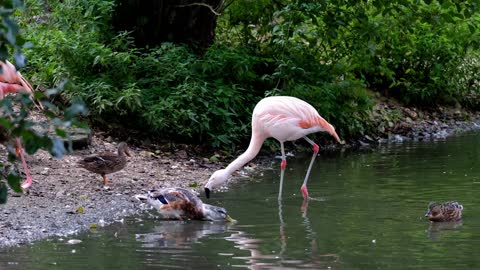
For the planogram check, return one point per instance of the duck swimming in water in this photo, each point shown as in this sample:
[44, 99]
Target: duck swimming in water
[181, 203]
[106, 163]
[449, 211]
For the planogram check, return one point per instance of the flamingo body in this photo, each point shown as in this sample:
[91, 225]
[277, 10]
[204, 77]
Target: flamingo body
[11, 81]
[283, 118]
[286, 119]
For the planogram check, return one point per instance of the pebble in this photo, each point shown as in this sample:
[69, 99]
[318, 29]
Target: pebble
[74, 241]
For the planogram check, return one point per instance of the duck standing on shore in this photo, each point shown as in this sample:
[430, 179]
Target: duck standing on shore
[449, 211]
[181, 203]
[106, 163]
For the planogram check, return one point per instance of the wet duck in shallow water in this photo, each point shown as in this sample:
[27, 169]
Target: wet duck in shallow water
[449, 211]
[106, 163]
[180, 203]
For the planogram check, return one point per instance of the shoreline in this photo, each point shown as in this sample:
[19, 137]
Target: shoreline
[66, 199]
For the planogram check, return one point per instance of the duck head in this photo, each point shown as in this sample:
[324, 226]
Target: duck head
[216, 213]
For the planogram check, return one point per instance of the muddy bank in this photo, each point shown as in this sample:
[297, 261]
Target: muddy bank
[396, 123]
[66, 199]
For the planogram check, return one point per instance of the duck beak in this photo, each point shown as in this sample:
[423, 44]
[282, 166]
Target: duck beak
[230, 219]
[207, 193]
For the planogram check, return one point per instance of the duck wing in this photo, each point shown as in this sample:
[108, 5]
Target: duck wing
[103, 163]
[171, 195]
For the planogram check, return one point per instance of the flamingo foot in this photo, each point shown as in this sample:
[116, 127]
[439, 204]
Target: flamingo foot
[283, 164]
[27, 183]
[19, 152]
[304, 192]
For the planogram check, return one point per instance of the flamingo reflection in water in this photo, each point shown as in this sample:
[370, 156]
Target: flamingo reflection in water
[182, 236]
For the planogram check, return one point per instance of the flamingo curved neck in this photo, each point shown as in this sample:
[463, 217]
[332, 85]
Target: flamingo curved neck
[251, 152]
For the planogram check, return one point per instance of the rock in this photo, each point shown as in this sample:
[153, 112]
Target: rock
[410, 113]
[44, 171]
[74, 241]
[79, 137]
[368, 138]
[182, 154]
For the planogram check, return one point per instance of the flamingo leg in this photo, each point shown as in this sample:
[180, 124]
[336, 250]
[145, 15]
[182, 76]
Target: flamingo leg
[283, 235]
[19, 151]
[315, 152]
[283, 165]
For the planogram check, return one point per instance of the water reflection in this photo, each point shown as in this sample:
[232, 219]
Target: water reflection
[179, 234]
[369, 215]
[184, 237]
[437, 229]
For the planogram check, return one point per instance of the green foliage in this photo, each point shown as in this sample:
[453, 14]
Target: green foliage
[344, 103]
[9, 32]
[15, 110]
[326, 52]
[16, 122]
[414, 48]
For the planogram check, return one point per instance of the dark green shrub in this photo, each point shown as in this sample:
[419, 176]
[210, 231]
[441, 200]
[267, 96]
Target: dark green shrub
[325, 52]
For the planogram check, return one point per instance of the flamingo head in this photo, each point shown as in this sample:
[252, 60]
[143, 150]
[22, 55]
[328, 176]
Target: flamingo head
[325, 126]
[219, 177]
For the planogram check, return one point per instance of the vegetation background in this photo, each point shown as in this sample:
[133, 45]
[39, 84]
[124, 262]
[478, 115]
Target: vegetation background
[15, 110]
[334, 54]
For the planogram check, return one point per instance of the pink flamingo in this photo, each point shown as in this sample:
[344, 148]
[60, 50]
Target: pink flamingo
[285, 119]
[11, 81]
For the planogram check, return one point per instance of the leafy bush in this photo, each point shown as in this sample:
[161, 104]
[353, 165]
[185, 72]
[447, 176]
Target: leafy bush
[413, 49]
[15, 110]
[326, 52]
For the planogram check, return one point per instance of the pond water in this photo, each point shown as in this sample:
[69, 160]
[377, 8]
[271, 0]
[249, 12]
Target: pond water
[367, 212]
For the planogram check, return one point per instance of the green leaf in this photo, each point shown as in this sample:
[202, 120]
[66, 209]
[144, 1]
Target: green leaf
[14, 182]
[60, 132]
[3, 193]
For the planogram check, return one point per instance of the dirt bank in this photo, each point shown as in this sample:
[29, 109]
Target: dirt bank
[65, 199]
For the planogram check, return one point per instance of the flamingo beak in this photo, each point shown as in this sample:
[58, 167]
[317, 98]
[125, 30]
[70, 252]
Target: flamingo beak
[332, 131]
[207, 193]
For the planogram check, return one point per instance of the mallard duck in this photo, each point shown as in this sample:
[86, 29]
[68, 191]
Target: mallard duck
[449, 211]
[180, 203]
[106, 163]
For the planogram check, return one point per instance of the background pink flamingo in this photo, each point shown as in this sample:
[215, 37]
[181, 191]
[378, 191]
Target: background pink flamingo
[11, 81]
